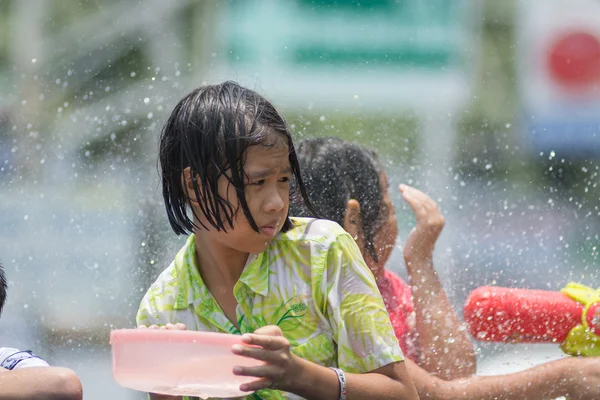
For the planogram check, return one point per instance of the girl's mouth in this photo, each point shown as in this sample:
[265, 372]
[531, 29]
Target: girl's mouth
[269, 230]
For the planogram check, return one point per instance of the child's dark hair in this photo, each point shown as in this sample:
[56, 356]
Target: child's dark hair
[335, 171]
[209, 131]
[3, 288]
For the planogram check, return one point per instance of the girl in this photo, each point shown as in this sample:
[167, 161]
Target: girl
[297, 290]
[347, 184]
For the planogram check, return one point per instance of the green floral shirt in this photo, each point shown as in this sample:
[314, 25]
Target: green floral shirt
[312, 282]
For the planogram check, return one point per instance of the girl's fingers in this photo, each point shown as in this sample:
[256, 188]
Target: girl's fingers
[422, 205]
[175, 327]
[258, 384]
[419, 196]
[258, 353]
[178, 326]
[271, 372]
[414, 203]
[266, 342]
[269, 330]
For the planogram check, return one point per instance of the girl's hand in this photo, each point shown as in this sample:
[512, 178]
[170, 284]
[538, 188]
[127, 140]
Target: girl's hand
[170, 327]
[430, 222]
[269, 345]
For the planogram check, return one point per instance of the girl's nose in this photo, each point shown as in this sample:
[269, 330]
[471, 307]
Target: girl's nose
[274, 201]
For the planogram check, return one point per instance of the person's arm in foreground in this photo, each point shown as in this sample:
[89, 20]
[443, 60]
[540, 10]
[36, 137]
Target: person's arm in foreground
[287, 372]
[445, 348]
[576, 378]
[47, 383]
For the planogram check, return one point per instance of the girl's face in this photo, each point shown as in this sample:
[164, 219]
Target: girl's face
[268, 174]
[386, 231]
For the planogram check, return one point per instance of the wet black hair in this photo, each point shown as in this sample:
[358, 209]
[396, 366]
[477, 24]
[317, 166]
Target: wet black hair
[209, 131]
[335, 171]
[3, 288]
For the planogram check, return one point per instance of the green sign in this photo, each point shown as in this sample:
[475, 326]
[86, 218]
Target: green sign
[415, 34]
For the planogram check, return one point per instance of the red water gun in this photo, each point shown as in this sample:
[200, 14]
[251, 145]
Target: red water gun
[570, 317]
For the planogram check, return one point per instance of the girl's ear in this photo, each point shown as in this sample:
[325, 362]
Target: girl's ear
[352, 222]
[188, 185]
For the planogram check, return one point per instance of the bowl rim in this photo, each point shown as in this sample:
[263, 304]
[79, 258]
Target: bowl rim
[137, 335]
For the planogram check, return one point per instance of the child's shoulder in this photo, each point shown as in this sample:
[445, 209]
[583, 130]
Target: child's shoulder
[313, 230]
[178, 274]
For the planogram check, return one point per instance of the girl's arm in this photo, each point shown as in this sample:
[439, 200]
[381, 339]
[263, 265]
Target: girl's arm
[290, 373]
[43, 383]
[572, 377]
[389, 382]
[445, 348]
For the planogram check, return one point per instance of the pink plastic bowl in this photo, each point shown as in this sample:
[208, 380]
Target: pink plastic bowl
[183, 363]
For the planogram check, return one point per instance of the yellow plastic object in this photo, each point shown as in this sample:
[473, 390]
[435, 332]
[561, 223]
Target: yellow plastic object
[581, 340]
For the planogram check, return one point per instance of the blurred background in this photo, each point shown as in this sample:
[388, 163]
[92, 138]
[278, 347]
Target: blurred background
[490, 107]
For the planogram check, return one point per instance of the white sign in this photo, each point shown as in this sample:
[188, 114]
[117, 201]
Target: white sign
[339, 53]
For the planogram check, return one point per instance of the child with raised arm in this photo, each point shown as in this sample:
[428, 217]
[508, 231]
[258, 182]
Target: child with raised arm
[23, 375]
[348, 184]
[296, 289]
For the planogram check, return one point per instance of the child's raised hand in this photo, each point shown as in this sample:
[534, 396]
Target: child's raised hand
[430, 222]
[269, 345]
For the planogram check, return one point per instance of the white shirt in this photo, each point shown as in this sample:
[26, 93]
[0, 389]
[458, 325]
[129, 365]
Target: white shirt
[15, 359]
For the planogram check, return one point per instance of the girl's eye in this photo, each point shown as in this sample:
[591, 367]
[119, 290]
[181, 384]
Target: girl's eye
[260, 182]
[284, 179]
